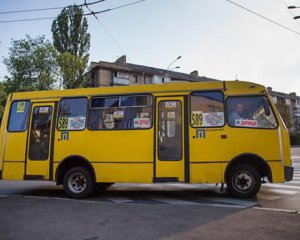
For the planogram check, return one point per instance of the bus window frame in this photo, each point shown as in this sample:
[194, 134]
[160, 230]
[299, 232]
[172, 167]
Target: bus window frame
[120, 95]
[86, 113]
[50, 136]
[28, 115]
[190, 108]
[182, 142]
[254, 95]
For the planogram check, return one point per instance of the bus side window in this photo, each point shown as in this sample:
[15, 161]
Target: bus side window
[72, 114]
[207, 109]
[19, 113]
[250, 112]
[120, 112]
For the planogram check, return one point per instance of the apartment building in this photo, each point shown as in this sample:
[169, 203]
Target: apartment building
[288, 106]
[120, 73]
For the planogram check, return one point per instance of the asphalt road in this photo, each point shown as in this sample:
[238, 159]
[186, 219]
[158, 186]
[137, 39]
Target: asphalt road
[40, 210]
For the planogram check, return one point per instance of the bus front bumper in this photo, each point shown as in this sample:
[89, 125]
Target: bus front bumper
[288, 173]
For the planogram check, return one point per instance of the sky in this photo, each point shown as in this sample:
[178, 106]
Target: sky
[214, 37]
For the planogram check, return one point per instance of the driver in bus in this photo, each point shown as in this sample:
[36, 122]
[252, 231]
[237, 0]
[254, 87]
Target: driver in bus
[236, 114]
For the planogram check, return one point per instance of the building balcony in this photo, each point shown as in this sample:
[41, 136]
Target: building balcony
[297, 106]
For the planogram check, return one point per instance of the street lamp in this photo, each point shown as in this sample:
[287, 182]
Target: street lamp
[296, 17]
[168, 68]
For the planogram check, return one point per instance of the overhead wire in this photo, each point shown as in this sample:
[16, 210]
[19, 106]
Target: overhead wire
[103, 26]
[263, 17]
[81, 5]
[47, 9]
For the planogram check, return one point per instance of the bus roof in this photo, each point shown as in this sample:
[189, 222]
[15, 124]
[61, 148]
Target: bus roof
[230, 87]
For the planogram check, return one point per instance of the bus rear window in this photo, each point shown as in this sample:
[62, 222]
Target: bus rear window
[19, 113]
[250, 112]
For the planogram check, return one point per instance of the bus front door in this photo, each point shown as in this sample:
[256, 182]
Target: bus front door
[38, 159]
[170, 133]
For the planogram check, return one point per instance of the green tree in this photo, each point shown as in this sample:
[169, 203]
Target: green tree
[32, 65]
[3, 97]
[72, 41]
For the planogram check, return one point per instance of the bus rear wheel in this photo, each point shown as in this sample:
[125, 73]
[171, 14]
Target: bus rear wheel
[78, 182]
[243, 181]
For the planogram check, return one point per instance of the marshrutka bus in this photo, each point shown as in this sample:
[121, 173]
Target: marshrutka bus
[204, 132]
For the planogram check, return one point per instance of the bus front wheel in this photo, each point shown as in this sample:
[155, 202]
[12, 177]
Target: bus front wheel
[78, 182]
[243, 181]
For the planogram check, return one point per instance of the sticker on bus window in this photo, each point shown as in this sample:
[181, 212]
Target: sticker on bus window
[170, 104]
[171, 115]
[213, 119]
[210, 119]
[196, 118]
[21, 107]
[245, 123]
[43, 109]
[118, 114]
[62, 123]
[76, 123]
[141, 123]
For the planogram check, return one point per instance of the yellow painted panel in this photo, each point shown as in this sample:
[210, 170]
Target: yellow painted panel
[170, 169]
[205, 173]
[13, 171]
[277, 172]
[55, 165]
[35, 167]
[107, 145]
[130, 173]
[15, 146]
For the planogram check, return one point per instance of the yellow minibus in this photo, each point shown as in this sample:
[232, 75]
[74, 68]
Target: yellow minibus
[202, 132]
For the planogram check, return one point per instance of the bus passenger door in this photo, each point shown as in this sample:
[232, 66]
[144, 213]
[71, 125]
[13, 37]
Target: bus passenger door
[170, 132]
[39, 143]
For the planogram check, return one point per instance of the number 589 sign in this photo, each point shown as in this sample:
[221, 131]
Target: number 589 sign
[197, 119]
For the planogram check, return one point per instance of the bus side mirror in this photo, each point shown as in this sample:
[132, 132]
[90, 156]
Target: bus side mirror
[266, 106]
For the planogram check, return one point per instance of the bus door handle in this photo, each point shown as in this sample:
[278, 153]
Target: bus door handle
[223, 136]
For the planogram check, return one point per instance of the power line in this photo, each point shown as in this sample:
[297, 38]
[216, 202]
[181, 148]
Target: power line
[105, 29]
[47, 9]
[86, 14]
[292, 14]
[263, 17]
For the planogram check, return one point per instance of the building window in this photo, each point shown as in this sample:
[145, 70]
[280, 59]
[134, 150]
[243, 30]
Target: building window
[274, 99]
[72, 114]
[207, 109]
[18, 119]
[122, 112]
[288, 101]
[250, 112]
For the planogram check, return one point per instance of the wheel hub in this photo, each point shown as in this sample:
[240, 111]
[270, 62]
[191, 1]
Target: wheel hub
[243, 181]
[77, 182]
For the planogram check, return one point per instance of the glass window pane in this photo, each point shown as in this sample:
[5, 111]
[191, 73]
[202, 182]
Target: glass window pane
[169, 130]
[72, 114]
[105, 102]
[207, 109]
[40, 133]
[125, 117]
[19, 113]
[250, 112]
[136, 101]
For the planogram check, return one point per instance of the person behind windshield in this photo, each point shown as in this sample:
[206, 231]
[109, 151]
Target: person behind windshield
[236, 114]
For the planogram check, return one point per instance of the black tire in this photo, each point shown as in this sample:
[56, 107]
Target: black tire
[78, 182]
[243, 181]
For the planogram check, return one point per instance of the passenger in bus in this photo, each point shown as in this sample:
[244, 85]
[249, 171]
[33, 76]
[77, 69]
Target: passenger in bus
[236, 114]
